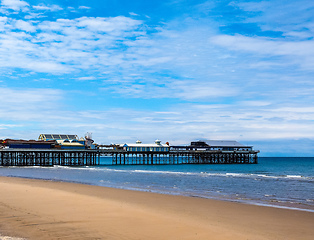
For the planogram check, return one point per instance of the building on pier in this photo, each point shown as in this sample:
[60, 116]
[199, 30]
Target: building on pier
[67, 141]
[214, 145]
[12, 143]
[47, 137]
[141, 147]
[220, 145]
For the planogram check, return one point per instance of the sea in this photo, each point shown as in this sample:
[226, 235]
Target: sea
[281, 182]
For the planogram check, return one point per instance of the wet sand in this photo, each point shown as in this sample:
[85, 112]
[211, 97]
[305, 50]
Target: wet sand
[37, 209]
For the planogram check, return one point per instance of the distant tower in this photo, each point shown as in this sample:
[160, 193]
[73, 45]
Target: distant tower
[88, 140]
[88, 136]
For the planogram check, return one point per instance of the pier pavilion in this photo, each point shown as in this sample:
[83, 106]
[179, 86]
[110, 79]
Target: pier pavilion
[141, 147]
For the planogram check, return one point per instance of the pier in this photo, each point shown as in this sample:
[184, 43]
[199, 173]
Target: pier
[48, 157]
[51, 157]
[184, 157]
[70, 151]
[199, 152]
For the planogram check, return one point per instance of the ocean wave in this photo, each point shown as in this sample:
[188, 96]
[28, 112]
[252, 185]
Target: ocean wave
[255, 176]
[294, 176]
[205, 174]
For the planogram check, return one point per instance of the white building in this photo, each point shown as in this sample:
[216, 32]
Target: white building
[140, 147]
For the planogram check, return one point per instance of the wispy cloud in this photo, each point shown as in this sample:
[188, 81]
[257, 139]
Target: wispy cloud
[278, 16]
[187, 90]
[84, 7]
[300, 53]
[27, 105]
[43, 7]
[79, 43]
[86, 78]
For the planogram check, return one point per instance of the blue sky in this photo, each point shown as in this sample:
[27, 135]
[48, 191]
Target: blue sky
[175, 70]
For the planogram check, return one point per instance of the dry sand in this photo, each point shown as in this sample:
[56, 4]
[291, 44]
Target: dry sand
[36, 209]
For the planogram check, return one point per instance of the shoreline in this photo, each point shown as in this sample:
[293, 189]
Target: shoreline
[254, 202]
[39, 209]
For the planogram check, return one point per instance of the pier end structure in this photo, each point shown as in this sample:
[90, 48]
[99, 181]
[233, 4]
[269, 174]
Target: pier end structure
[199, 152]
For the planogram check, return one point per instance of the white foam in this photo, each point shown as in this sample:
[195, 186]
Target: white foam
[280, 206]
[10, 238]
[201, 174]
[294, 176]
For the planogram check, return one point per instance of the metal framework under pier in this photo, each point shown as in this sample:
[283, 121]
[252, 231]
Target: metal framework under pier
[45, 157]
[184, 157]
[49, 157]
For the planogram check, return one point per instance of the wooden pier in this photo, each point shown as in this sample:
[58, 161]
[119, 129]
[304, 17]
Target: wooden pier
[48, 157]
[51, 157]
[183, 157]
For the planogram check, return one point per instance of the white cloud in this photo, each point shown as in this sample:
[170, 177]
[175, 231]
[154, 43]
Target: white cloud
[3, 23]
[25, 26]
[43, 7]
[191, 90]
[133, 14]
[216, 122]
[114, 24]
[264, 46]
[86, 78]
[187, 90]
[191, 62]
[291, 12]
[29, 96]
[299, 52]
[80, 43]
[27, 104]
[84, 7]
[15, 5]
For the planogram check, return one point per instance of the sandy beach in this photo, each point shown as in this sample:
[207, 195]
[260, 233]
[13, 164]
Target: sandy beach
[37, 209]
